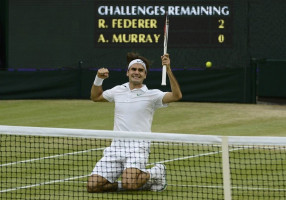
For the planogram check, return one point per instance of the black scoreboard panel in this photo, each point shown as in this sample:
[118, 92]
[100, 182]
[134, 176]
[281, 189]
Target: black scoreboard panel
[192, 24]
[199, 30]
[57, 33]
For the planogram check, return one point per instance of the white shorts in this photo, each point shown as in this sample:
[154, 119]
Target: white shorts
[116, 160]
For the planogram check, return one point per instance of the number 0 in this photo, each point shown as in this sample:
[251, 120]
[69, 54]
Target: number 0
[221, 38]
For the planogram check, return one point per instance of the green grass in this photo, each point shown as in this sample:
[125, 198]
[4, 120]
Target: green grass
[202, 174]
[189, 118]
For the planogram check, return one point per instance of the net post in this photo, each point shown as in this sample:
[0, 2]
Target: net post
[226, 169]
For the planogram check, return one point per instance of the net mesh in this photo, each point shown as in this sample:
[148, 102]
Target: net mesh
[35, 163]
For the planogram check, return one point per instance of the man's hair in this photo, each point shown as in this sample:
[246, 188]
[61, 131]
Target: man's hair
[132, 56]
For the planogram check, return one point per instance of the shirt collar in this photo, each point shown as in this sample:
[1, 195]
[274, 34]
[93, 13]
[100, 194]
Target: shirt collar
[143, 88]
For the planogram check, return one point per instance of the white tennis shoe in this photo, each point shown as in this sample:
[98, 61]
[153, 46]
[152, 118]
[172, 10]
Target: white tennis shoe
[160, 182]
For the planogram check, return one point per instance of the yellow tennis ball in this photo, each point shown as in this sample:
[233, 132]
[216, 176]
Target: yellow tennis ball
[208, 64]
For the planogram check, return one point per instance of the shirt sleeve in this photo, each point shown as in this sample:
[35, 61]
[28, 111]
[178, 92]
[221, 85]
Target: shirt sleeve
[109, 94]
[159, 99]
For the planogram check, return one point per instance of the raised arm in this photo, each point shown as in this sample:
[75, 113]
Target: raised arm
[175, 94]
[96, 89]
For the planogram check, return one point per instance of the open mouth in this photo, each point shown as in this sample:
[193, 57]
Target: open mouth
[136, 77]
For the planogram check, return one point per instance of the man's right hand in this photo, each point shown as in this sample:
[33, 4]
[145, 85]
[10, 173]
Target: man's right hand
[103, 73]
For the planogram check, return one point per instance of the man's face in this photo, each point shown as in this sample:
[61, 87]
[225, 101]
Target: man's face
[136, 74]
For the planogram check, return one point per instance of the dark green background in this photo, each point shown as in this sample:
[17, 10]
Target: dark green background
[59, 34]
[209, 86]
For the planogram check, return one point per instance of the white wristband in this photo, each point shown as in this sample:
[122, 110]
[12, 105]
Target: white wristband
[98, 81]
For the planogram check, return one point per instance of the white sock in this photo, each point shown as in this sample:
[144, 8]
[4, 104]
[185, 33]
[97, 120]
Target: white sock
[119, 186]
[153, 173]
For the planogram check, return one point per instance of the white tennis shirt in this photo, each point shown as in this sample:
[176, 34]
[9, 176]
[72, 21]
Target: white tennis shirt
[134, 109]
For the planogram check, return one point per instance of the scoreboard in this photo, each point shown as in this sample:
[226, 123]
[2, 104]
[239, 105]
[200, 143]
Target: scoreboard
[62, 33]
[199, 30]
[202, 24]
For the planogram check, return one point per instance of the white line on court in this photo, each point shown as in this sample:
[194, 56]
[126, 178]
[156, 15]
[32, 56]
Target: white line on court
[233, 187]
[164, 161]
[48, 157]
[78, 177]
[40, 184]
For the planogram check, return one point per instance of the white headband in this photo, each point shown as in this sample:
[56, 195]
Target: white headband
[137, 61]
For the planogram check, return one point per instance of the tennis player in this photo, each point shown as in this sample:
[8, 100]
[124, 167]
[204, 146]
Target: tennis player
[134, 108]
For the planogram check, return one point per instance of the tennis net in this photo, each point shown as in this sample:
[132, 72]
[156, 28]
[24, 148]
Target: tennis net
[55, 163]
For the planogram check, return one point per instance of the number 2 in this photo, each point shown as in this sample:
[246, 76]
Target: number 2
[221, 23]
